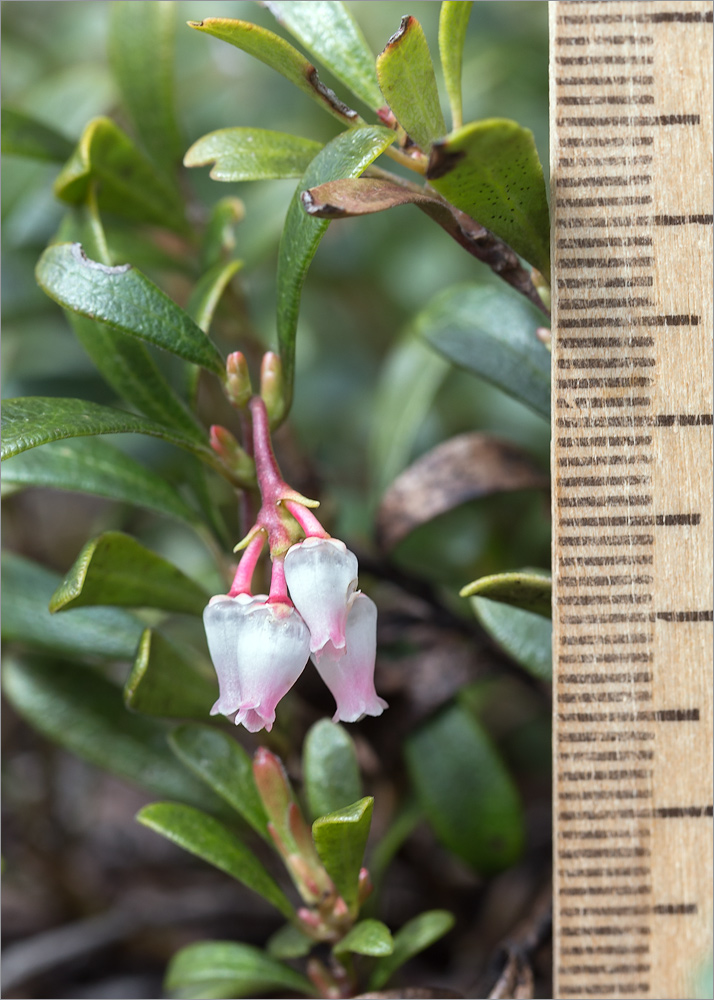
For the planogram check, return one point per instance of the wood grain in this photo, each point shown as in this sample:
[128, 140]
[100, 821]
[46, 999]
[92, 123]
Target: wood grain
[631, 136]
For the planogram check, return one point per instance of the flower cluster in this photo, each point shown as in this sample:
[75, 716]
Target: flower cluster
[261, 643]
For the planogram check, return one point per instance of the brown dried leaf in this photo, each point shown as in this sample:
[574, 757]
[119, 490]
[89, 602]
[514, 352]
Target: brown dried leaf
[464, 468]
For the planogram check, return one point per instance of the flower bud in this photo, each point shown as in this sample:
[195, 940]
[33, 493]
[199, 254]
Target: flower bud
[238, 387]
[273, 786]
[350, 677]
[258, 650]
[321, 574]
[271, 387]
[231, 454]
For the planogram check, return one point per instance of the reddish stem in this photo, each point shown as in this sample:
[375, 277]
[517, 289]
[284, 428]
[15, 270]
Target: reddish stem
[246, 567]
[278, 586]
[266, 467]
[306, 519]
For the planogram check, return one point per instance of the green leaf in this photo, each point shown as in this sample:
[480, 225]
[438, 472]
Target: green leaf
[252, 154]
[229, 969]
[219, 236]
[491, 170]
[368, 937]
[409, 379]
[465, 790]
[330, 34]
[330, 768]
[414, 936]
[280, 56]
[99, 633]
[84, 713]
[141, 54]
[129, 183]
[340, 839]
[25, 136]
[116, 569]
[525, 636]
[346, 156]
[530, 590]
[289, 942]
[453, 19]
[91, 465]
[207, 292]
[36, 420]
[406, 76]
[208, 839]
[216, 758]
[126, 300]
[491, 332]
[162, 682]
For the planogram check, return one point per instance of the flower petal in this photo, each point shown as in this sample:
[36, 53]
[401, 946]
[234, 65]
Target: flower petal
[321, 574]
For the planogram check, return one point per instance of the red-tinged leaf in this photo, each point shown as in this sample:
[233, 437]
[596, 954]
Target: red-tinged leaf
[464, 468]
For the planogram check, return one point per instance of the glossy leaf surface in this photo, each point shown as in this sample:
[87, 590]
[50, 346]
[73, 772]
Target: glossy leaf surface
[281, 56]
[129, 184]
[465, 790]
[36, 420]
[141, 53]
[330, 768]
[84, 713]
[525, 636]
[23, 135]
[346, 156]
[98, 633]
[222, 763]
[530, 590]
[252, 154]
[413, 937]
[116, 569]
[125, 299]
[368, 937]
[92, 465]
[491, 170]
[406, 77]
[213, 969]
[340, 839]
[165, 683]
[453, 21]
[491, 333]
[330, 34]
[210, 840]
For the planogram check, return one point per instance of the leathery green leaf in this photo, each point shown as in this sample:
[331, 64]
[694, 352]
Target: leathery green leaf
[84, 713]
[368, 937]
[340, 839]
[289, 942]
[530, 590]
[92, 465]
[207, 292]
[330, 34]
[491, 170]
[525, 636]
[219, 236]
[413, 937]
[126, 300]
[128, 183]
[252, 154]
[406, 76]
[116, 569]
[210, 840]
[281, 56]
[490, 332]
[453, 19]
[465, 790]
[330, 769]
[222, 763]
[211, 969]
[141, 53]
[23, 135]
[98, 633]
[164, 683]
[37, 420]
[348, 155]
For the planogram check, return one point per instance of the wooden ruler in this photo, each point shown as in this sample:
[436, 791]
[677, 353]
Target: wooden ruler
[631, 176]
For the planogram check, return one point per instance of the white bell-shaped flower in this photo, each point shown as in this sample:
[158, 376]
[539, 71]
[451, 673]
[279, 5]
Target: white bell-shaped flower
[258, 650]
[350, 676]
[321, 575]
